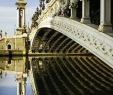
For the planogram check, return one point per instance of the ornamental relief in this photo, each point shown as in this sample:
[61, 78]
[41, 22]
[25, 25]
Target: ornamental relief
[57, 8]
[83, 35]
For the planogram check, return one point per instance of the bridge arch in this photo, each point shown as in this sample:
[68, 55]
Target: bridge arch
[67, 35]
[96, 42]
[49, 40]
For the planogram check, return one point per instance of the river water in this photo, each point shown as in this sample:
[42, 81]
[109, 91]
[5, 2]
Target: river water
[14, 71]
[58, 75]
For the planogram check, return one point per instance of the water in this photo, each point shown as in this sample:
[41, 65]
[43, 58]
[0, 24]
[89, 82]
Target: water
[58, 75]
[14, 71]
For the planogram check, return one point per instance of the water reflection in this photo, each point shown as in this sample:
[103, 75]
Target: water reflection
[77, 75]
[14, 74]
[68, 75]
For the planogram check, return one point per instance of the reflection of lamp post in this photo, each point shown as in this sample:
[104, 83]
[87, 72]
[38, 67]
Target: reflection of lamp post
[25, 42]
[21, 76]
[21, 84]
[1, 73]
[40, 64]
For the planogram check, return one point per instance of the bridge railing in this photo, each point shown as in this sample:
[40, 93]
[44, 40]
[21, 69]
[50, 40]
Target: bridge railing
[96, 42]
[51, 9]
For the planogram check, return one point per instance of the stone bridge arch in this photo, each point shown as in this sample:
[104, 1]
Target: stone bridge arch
[96, 42]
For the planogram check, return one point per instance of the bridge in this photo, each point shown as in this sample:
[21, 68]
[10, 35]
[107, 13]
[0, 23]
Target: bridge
[81, 28]
[57, 30]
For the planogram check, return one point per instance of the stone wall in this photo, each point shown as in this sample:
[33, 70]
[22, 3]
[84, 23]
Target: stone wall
[12, 44]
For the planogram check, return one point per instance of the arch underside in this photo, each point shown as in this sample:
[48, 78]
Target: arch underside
[50, 41]
[77, 75]
[83, 74]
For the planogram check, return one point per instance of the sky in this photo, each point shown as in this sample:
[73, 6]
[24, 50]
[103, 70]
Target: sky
[8, 85]
[8, 14]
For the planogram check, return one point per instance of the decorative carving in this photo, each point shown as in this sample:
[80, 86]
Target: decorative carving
[47, 1]
[64, 7]
[42, 6]
[35, 17]
[74, 3]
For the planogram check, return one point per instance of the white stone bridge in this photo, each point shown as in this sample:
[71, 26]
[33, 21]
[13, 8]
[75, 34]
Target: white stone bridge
[56, 28]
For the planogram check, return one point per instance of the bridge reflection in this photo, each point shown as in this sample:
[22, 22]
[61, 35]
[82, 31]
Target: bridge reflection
[80, 75]
[60, 75]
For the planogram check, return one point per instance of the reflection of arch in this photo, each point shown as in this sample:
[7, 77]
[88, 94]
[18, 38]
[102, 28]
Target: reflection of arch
[0, 35]
[9, 46]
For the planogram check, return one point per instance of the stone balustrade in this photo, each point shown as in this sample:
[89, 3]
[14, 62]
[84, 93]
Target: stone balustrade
[50, 9]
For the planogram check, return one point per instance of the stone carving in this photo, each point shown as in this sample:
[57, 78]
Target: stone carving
[64, 7]
[35, 17]
[47, 1]
[42, 5]
[74, 3]
[85, 36]
[53, 8]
